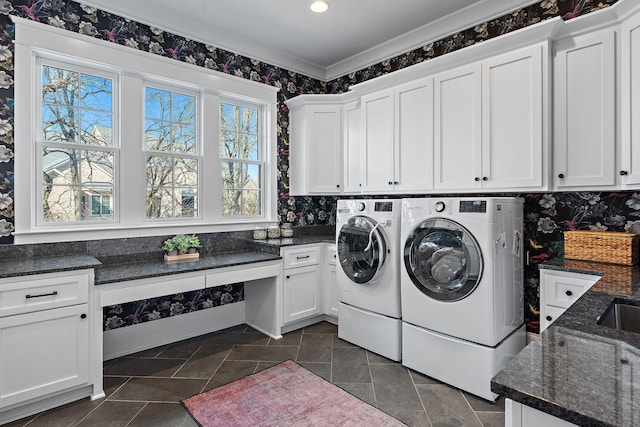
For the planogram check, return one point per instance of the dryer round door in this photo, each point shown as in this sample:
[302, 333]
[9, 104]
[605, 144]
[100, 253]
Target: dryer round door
[443, 260]
[361, 249]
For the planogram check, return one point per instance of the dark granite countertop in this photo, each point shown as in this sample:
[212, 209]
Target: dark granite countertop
[25, 267]
[295, 240]
[110, 273]
[578, 370]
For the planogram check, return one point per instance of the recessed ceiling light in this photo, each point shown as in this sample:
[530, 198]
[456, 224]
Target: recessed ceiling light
[319, 6]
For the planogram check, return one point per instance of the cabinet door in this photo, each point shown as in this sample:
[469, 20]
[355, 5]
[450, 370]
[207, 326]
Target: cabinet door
[512, 114]
[331, 283]
[352, 152]
[324, 162]
[457, 127]
[301, 293]
[414, 136]
[630, 43]
[559, 290]
[377, 133]
[43, 352]
[584, 111]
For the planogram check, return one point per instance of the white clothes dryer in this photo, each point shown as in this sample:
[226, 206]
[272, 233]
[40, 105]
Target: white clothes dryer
[368, 252]
[462, 288]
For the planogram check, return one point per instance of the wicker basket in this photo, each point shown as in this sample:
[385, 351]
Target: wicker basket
[602, 246]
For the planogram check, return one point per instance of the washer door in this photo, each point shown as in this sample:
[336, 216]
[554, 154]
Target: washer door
[361, 249]
[443, 259]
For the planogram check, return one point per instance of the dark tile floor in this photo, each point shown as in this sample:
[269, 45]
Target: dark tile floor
[144, 389]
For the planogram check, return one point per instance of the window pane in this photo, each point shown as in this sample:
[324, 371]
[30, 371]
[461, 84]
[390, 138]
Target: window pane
[96, 93]
[251, 202]
[231, 203]
[183, 108]
[97, 204]
[68, 95]
[59, 86]
[186, 205]
[228, 145]
[159, 203]
[59, 123]
[97, 167]
[238, 119]
[241, 189]
[157, 104]
[60, 166]
[186, 172]
[171, 187]
[241, 180]
[157, 135]
[159, 171]
[184, 138]
[60, 203]
[96, 128]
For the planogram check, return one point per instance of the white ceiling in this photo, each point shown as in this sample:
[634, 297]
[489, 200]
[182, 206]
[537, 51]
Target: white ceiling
[351, 35]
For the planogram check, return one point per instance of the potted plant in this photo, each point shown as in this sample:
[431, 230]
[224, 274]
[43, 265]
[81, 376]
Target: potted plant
[169, 247]
[194, 243]
[181, 247]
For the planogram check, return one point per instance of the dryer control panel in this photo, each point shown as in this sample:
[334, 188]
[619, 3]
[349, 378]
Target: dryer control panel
[475, 206]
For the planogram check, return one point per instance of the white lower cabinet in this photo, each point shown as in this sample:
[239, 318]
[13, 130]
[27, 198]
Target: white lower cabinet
[301, 283]
[43, 352]
[301, 293]
[46, 342]
[309, 288]
[560, 289]
[331, 282]
[519, 415]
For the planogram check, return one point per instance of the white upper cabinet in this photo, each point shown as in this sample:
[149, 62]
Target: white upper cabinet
[490, 123]
[513, 125]
[584, 111]
[397, 138]
[630, 89]
[413, 155]
[352, 151]
[315, 148]
[457, 128]
[377, 136]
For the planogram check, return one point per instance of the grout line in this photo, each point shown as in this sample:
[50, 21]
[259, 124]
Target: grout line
[137, 413]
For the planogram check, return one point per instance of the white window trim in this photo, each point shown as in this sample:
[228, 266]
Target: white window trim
[38, 39]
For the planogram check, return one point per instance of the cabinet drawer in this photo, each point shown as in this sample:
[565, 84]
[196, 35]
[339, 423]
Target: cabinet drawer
[331, 255]
[33, 293]
[301, 257]
[562, 291]
[548, 315]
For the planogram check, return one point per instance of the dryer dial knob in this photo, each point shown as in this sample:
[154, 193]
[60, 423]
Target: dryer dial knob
[439, 206]
[361, 206]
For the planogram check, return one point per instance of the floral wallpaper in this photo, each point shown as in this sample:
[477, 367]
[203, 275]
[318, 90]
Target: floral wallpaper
[552, 212]
[549, 215]
[136, 312]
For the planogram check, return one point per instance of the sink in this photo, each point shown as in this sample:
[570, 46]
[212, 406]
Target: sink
[622, 315]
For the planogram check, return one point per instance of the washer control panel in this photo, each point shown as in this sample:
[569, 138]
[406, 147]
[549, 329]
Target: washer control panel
[474, 206]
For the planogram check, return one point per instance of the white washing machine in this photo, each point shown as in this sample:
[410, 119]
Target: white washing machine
[462, 288]
[368, 252]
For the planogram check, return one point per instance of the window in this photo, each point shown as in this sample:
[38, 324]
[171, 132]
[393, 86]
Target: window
[240, 160]
[76, 143]
[126, 143]
[171, 149]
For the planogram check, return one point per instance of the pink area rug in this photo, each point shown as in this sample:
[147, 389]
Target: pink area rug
[283, 395]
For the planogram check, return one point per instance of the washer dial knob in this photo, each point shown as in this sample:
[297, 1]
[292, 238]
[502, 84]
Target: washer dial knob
[439, 206]
[361, 206]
